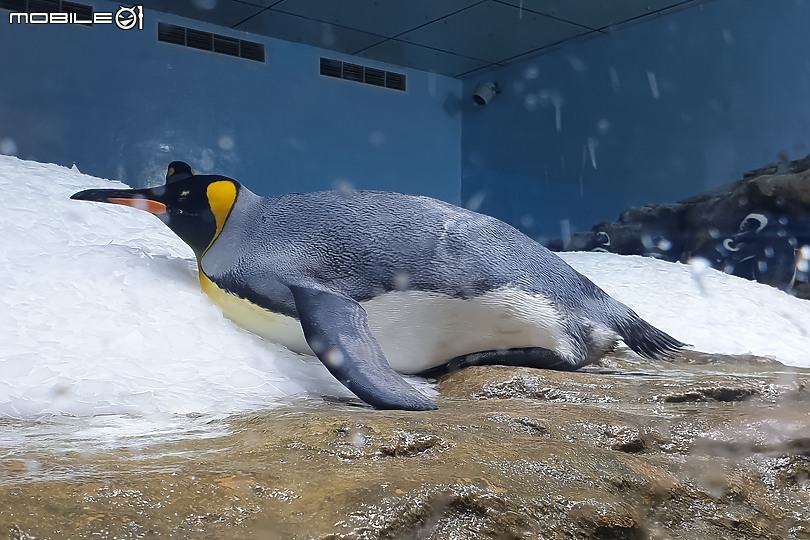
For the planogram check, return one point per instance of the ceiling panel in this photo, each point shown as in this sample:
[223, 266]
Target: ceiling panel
[260, 3]
[221, 12]
[596, 14]
[387, 18]
[493, 32]
[418, 57]
[308, 31]
[451, 37]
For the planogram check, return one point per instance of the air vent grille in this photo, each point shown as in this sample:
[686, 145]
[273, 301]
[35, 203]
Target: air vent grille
[226, 45]
[251, 50]
[331, 68]
[362, 74]
[206, 41]
[83, 12]
[395, 81]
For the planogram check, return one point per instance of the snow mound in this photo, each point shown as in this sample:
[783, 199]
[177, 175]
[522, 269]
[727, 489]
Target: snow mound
[101, 312]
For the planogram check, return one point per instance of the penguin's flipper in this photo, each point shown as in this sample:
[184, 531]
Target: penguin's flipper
[336, 328]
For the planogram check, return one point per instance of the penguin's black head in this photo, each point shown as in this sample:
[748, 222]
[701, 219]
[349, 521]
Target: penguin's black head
[178, 170]
[195, 207]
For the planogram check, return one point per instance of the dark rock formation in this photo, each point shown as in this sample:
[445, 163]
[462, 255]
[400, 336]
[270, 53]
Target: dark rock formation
[754, 228]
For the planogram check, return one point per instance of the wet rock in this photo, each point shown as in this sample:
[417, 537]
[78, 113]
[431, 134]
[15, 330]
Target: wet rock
[722, 393]
[410, 444]
[511, 453]
[627, 439]
[754, 228]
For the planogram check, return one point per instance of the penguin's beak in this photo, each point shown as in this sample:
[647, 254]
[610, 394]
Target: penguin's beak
[142, 199]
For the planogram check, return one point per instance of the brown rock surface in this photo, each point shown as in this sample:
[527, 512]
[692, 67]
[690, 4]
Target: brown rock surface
[705, 447]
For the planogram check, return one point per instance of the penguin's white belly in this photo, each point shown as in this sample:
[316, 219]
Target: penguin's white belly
[419, 330]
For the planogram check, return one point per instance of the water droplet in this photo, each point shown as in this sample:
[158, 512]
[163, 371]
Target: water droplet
[343, 187]
[565, 232]
[653, 80]
[592, 144]
[557, 101]
[602, 126]
[531, 72]
[328, 38]
[402, 281]
[803, 259]
[207, 160]
[8, 146]
[699, 266]
[358, 438]
[334, 357]
[577, 64]
[475, 201]
[615, 85]
[316, 344]
[602, 237]
[225, 142]
[376, 138]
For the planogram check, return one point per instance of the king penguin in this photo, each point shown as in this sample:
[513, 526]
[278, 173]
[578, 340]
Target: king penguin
[374, 283]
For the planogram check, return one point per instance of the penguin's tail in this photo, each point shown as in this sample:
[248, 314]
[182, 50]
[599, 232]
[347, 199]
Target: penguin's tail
[645, 339]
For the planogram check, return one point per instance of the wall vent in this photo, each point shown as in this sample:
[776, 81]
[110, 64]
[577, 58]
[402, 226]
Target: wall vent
[206, 41]
[362, 74]
[84, 13]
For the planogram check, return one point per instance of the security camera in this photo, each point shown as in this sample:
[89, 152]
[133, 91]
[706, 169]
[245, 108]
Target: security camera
[485, 93]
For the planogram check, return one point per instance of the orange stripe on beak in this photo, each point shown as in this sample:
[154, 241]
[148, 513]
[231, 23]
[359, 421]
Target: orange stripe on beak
[153, 207]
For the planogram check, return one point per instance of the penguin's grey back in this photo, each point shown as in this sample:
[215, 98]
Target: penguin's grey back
[368, 243]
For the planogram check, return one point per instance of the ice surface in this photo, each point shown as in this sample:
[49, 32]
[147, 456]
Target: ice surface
[101, 313]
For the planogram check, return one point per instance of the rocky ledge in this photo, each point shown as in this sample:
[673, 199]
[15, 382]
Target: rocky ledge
[701, 447]
[757, 228]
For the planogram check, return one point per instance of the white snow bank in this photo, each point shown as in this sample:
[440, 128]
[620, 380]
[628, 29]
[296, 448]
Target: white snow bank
[712, 311]
[101, 312]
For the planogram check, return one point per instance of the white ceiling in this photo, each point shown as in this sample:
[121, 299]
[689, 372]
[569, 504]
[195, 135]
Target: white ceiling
[458, 38]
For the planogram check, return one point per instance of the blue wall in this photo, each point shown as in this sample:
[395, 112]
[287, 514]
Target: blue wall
[652, 113]
[121, 105]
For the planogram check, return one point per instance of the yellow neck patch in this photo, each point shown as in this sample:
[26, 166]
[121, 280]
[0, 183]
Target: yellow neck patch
[221, 198]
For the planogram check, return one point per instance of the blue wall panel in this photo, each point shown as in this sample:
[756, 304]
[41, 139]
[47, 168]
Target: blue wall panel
[652, 113]
[120, 104]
